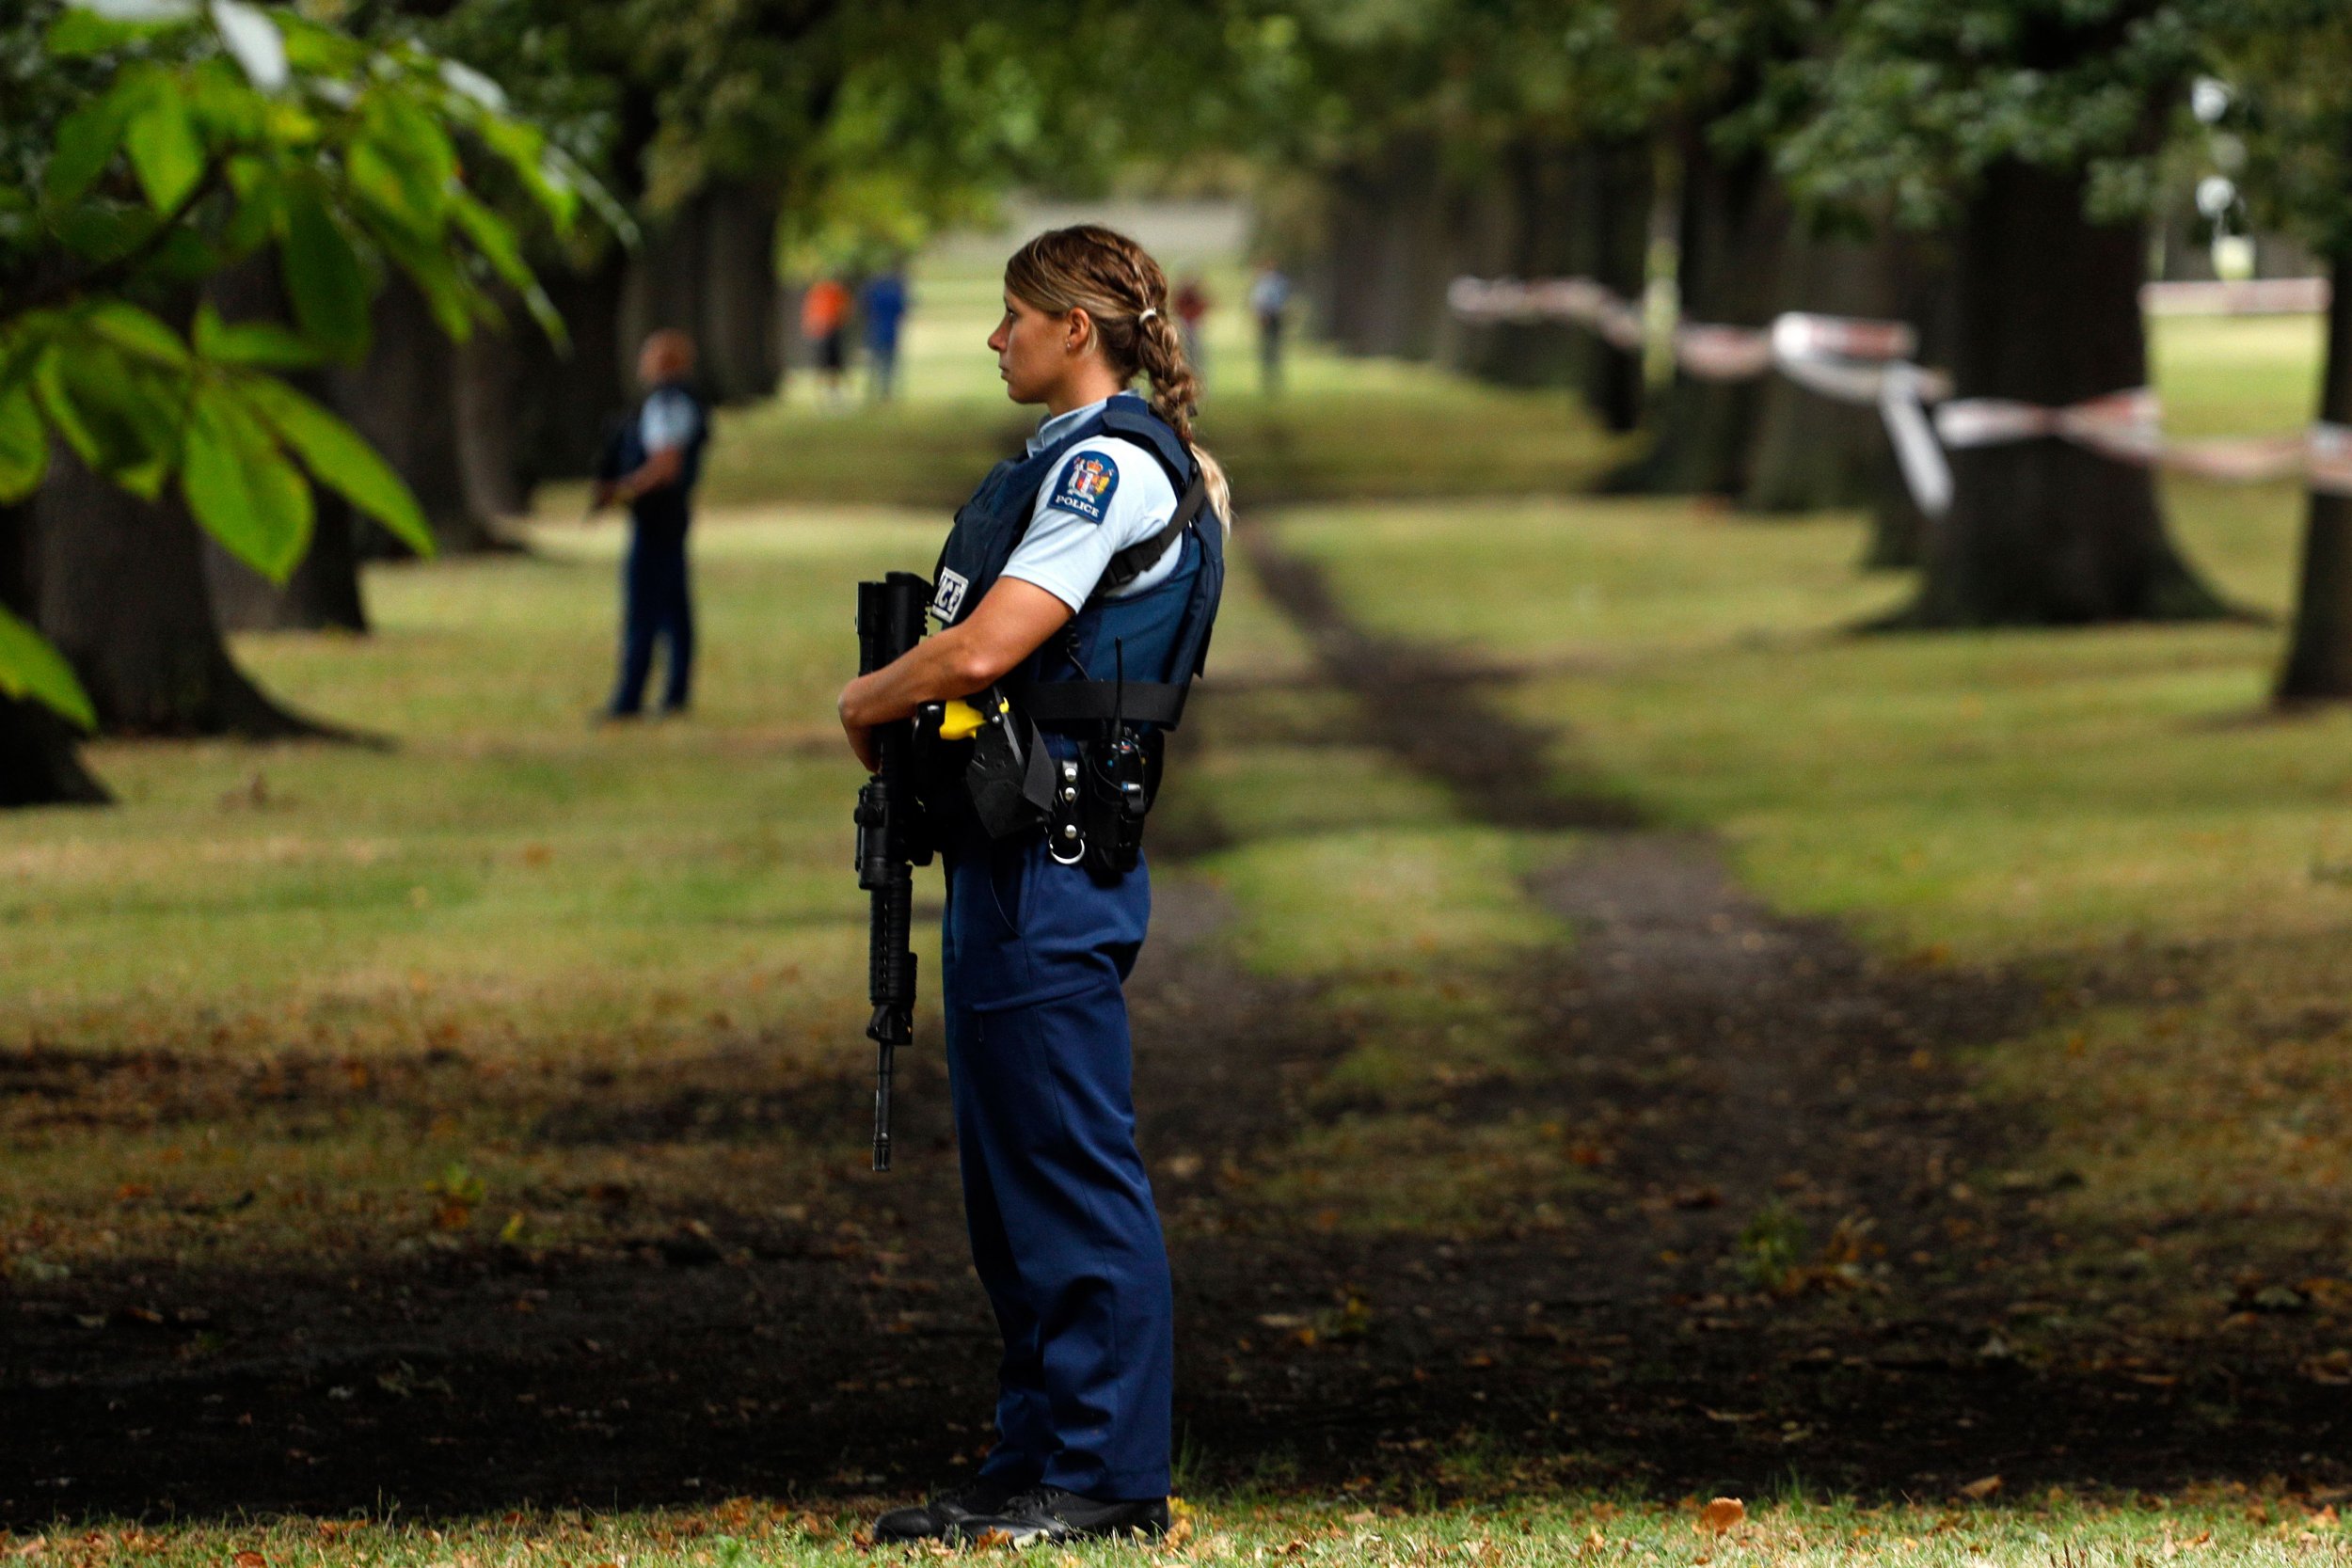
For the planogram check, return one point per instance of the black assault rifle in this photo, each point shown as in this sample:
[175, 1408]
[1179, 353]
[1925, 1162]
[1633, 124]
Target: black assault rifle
[892, 837]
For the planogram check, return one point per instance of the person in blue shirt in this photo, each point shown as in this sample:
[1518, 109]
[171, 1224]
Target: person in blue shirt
[1079, 582]
[1269, 302]
[650, 466]
[882, 307]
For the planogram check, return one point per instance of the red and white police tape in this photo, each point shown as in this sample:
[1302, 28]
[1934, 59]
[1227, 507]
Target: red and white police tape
[1854, 360]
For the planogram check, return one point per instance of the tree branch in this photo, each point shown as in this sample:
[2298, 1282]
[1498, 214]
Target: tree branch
[107, 273]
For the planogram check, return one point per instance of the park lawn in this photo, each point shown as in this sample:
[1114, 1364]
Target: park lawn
[455, 928]
[2233, 1526]
[432, 937]
[2109, 808]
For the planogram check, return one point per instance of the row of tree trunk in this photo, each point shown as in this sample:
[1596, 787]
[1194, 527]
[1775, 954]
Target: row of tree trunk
[2028, 299]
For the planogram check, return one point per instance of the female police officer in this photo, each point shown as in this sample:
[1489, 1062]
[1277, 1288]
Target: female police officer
[1078, 584]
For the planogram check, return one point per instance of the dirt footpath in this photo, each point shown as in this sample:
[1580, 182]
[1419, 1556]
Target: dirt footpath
[1804, 1249]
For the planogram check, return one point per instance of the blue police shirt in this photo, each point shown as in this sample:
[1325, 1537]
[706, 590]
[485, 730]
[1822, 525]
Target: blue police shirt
[668, 422]
[1105, 494]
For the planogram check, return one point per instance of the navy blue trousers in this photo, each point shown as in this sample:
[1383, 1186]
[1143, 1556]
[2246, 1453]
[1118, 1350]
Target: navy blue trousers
[655, 606]
[1064, 1234]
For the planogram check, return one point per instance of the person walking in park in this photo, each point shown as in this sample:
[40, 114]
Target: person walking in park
[882, 307]
[1080, 583]
[651, 465]
[825, 328]
[1192, 310]
[1270, 301]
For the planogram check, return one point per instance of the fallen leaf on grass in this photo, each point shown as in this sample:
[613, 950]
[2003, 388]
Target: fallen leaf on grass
[250, 1560]
[1977, 1491]
[1721, 1515]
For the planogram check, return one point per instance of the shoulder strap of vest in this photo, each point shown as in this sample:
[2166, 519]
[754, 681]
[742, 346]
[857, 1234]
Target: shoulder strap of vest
[1129, 416]
[1141, 556]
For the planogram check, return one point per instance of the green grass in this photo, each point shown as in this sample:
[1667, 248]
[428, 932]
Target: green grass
[2110, 799]
[444, 930]
[2255, 1528]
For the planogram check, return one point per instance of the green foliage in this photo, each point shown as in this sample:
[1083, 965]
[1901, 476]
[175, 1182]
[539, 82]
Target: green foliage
[151, 145]
[2290, 117]
[1909, 102]
[29, 667]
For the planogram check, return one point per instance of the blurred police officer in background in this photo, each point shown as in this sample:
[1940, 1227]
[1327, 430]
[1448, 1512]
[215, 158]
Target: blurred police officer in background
[1078, 586]
[650, 465]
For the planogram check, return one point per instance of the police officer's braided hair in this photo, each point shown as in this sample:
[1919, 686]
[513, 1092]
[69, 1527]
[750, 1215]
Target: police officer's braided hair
[1124, 293]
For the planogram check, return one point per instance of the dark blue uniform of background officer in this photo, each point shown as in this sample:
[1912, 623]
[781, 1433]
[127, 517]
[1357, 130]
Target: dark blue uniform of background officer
[651, 463]
[1081, 576]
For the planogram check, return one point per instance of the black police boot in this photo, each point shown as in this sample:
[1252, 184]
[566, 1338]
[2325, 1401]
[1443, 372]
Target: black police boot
[1051, 1514]
[936, 1519]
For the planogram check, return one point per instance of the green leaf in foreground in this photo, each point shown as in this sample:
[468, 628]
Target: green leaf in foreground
[29, 667]
[86, 141]
[264, 343]
[324, 277]
[166, 152]
[136, 332]
[242, 488]
[23, 443]
[340, 458]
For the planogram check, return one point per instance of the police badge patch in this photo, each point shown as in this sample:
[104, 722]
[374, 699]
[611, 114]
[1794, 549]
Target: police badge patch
[1087, 485]
[949, 598]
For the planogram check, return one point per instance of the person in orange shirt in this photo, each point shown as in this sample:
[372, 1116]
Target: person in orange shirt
[825, 323]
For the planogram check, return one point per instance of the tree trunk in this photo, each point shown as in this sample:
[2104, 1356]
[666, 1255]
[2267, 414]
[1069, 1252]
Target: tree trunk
[735, 324]
[1813, 454]
[569, 403]
[1504, 220]
[2318, 666]
[664, 280]
[1925, 298]
[1615, 187]
[1391, 248]
[402, 399]
[487, 377]
[2043, 533]
[323, 594]
[1734, 224]
[40, 762]
[1557, 212]
[118, 585]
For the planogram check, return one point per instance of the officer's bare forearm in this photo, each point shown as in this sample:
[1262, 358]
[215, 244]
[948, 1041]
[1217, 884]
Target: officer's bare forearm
[662, 468]
[932, 670]
[1006, 627]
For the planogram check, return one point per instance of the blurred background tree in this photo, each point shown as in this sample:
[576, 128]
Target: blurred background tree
[147, 157]
[2286, 69]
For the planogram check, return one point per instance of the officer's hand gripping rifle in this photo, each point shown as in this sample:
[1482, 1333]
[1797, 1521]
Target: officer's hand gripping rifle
[892, 837]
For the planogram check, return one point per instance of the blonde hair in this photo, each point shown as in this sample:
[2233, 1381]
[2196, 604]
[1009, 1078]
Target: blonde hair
[1116, 282]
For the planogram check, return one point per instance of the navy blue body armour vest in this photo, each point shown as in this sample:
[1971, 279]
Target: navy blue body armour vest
[624, 454]
[1158, 640]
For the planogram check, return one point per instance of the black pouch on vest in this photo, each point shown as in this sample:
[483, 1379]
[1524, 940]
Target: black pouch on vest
[1011, 776]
